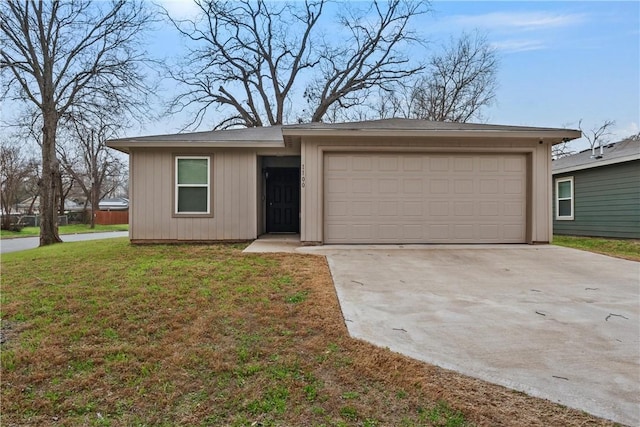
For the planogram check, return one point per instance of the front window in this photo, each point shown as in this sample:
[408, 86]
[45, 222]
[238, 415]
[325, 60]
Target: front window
[192, 185]
[564, 198]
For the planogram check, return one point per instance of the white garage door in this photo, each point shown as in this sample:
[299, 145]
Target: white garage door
[424, 198]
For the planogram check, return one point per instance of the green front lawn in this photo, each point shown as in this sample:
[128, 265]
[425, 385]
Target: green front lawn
[103, 333]
[64, 229]
[627, 249]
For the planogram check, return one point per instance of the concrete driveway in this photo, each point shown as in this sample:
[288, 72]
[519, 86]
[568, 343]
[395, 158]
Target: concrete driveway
[553, 322]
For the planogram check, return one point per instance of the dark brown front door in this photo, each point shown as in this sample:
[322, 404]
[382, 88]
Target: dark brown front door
[283, 200]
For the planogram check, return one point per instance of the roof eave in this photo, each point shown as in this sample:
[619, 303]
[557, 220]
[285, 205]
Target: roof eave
[555, 136]
[126, 145]
[597, 164]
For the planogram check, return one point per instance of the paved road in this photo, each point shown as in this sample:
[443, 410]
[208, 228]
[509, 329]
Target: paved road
[24, 243]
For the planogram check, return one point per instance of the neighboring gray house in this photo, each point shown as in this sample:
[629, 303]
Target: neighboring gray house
[597, 193]
[114, 204]
[379, 181]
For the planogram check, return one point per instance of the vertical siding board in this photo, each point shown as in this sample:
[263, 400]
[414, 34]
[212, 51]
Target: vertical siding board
[303, 195]
[235, 196]
[158, 165]
[142, 195]
[311, 194]
[540, 193]
[133, 186]
[165, 209]
[219, 195]
[319, 194]
[247, 215]
[137, 194]
[247, 195]
[226, 203]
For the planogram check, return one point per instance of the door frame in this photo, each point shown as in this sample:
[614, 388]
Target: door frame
[268, 163]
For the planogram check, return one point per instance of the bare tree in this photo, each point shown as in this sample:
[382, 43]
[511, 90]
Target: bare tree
[15, 170]
[372, 57]
[31, 186]
[561, 150]
[597, 136]
[458, 82]
[251, 57]
[93, 167]
[245, 55]
[69, 56]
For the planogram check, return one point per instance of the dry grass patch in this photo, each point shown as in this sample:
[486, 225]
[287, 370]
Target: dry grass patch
[107, 334]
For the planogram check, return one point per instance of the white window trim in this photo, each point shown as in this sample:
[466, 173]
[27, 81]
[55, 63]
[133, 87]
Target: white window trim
[572, 198]
[208, 185]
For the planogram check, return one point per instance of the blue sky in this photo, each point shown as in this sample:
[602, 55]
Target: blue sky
[560, 61]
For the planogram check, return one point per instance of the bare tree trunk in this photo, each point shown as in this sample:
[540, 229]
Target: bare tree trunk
[94, 206]
[49, 183]
[69, 58]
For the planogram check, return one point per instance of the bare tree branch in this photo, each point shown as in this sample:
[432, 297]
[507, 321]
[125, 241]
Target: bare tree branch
[87, 160]
[597, 136]
[372, 56]
[458, 82]
[15, 173]
[245, 55]
[249, 57]
[72, 57]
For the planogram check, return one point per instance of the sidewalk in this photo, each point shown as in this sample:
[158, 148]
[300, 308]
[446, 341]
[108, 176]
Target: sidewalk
[24, 243]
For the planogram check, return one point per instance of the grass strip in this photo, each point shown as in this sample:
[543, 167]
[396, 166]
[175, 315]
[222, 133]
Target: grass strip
[619, 248]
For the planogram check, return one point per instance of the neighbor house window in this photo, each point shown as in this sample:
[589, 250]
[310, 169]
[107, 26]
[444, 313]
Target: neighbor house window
[192, 185]
[564, 198]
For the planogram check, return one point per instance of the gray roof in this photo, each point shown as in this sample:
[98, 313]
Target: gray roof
[275, 136]
[412, 124]
[617, 152]
[260, 134]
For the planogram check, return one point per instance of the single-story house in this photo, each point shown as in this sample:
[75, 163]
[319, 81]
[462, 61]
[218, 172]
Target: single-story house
[380, 181]
[597, 192]
[114, 204]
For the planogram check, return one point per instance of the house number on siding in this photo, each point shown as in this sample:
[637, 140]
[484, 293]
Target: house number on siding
[302, 176]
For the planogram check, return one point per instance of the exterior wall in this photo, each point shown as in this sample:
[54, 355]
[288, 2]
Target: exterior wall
[606, 202]
[233, 197]
[539, 174]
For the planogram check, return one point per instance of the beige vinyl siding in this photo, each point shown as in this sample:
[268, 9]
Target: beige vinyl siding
[233, 197]
[538, 223]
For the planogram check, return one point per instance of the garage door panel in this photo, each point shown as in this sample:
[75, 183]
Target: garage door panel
[424, 198]
[361, 185]
[412, 186]
[412, 209]
[489, 231]
[336, 163]
[388, 185]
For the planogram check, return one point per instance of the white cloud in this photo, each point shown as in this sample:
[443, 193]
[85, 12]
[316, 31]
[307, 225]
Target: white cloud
[511, 46]
[518, 21]
[180, 9]
[621, 132]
